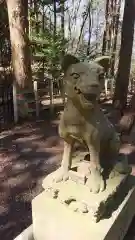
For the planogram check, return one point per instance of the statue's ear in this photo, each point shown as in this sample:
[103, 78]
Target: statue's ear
[103, 61]
[67, 61]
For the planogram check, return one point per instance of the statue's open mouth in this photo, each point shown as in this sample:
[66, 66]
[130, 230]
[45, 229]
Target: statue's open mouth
[90, 96]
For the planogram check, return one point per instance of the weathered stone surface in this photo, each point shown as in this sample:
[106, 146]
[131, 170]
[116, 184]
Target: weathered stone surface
[83, 168]
[53, 220]
[74, 191]
[77, 177]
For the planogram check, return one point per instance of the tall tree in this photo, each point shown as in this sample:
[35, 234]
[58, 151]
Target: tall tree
[115, 20]
[122, 81]
[105, 36]
[21, 60]
[62, 23]
[89, 36]
[55, 18]
[112, 15]
[36, 15]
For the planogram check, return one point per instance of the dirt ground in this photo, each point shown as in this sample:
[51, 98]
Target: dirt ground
[28, 152]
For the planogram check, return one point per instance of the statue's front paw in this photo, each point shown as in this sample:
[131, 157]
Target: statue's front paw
[95, 181]
[60, 175]
[55, 177]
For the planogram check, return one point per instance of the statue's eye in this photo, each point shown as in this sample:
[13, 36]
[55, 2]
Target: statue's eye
[75, 75]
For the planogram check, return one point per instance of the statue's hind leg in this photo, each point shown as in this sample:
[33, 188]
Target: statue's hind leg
[120, 164]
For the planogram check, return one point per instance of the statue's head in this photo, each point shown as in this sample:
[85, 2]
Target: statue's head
[83, 80]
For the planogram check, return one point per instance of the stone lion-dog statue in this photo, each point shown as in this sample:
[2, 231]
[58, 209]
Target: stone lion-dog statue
[83, 121]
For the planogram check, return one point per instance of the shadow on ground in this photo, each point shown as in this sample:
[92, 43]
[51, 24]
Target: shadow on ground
[27, 154]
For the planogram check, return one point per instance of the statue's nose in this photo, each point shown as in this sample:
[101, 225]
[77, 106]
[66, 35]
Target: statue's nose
[91, 88]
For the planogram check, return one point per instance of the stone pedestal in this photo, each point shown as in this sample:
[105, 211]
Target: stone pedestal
[55, 219]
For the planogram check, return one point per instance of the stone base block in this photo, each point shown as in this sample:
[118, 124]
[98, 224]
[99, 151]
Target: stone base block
[75, 194]
[53, 220]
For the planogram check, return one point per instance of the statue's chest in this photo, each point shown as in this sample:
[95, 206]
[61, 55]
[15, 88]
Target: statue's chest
[72, 117]
[92, 124]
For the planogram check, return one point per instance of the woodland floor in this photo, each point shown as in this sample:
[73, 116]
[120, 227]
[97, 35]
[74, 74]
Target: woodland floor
[28, 152]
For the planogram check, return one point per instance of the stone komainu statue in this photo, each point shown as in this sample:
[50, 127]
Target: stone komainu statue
[83, 121]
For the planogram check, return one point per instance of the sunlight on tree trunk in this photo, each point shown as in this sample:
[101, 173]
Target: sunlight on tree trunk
[122, 81]
[21, 60]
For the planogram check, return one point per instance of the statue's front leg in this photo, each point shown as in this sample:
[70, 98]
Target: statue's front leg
[61, 174]
[66, 160]
[95, 181]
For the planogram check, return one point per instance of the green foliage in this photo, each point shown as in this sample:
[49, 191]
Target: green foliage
[46, 45]
[49, 48]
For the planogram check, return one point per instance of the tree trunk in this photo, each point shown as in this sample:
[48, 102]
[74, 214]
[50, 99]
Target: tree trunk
[85, 16]
[43, 18]
[21, 60]
[25, 4]
[116, 7]
[89, 37]
[61, 85]
[55, 19]
[36, 16]
[30, 7]
[122, 81]
[111, 32]
[62, 24]
[106, 28]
